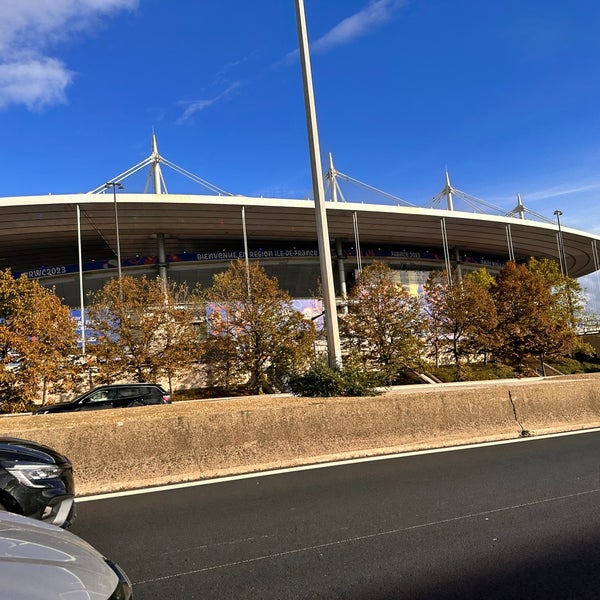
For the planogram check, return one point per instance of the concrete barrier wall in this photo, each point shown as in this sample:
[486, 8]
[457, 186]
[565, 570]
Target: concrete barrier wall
[137, 447]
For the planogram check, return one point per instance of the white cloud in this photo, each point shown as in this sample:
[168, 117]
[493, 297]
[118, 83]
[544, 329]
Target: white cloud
[558, 191]
[373, 15]
[376, 13]
[194, 106]
[35, 83]
[28, 29]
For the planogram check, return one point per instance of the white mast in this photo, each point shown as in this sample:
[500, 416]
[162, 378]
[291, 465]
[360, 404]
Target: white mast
[520, 207]
[448, 191]
[156, 173]
[332, 179]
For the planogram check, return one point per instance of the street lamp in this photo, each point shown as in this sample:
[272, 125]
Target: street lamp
[565, 272]
[329, 304]
[116, 185]
[561, 245]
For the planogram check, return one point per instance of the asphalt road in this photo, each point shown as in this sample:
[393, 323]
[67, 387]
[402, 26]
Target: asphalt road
[506, 521]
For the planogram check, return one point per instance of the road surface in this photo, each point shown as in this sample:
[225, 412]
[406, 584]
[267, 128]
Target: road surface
[518, 520]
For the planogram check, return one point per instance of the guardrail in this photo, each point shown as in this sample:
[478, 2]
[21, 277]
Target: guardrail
[138, 447]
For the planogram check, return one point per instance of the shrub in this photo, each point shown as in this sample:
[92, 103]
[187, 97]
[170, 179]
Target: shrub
[323, 381]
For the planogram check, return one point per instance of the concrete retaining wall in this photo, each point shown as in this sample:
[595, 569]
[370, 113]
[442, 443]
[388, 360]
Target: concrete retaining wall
[136, 447]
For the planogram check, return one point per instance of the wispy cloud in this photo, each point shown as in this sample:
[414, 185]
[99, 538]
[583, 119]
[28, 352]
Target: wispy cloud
[558, 191]
[373, 15]
[28, 30]
[376, 13]
[194, 106]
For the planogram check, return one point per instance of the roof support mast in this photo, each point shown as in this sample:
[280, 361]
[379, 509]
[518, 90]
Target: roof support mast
[332, 180]
[448, 192]
[156, 173]
[160, 237]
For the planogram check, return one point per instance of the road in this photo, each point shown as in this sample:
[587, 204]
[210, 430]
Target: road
[517, 520]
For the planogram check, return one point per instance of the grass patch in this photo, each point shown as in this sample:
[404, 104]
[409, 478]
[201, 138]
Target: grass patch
[204, 393]
[474, 372]
[578, 364]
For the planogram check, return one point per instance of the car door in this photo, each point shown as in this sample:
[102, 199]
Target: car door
[129, 396]
[97, 400]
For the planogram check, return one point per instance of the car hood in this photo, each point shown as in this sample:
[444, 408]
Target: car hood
[57, 407]
[16, 448]
[39, 561]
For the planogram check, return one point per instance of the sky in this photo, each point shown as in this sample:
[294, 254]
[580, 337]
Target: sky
[504, 95]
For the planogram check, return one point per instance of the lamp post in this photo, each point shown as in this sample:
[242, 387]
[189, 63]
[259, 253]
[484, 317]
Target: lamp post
[329, 304]
[565, 270]
[116, 185]
[561, 245]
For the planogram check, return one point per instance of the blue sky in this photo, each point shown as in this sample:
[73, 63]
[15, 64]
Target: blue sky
[503, 94]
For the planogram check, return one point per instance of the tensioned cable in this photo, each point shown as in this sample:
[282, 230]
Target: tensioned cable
[373, 189]
[196, 178]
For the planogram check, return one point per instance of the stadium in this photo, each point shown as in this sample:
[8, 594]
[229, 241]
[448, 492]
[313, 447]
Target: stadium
[75, 242]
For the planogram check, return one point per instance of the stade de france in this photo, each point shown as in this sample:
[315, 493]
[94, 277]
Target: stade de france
[73, 242]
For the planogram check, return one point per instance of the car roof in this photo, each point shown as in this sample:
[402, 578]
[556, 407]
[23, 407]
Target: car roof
[137, 384]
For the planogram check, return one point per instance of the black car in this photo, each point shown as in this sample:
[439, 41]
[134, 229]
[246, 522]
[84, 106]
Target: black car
[36, 481]
[121, 395]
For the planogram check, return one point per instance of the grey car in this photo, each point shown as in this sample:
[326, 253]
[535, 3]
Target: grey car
[40, 561]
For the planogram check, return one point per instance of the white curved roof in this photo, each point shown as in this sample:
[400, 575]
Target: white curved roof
[36, 230]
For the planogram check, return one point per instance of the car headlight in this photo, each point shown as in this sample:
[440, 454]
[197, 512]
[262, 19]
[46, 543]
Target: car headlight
[33, 474]
[123, 590]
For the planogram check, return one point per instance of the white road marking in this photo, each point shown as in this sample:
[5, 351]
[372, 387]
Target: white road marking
[325, 465]
[369, 536]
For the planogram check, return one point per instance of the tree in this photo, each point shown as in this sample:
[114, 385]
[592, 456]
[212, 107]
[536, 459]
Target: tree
[37, 342]
[254, 335]
[383, 326]
[567, 292]
[434, 308]
[145, 329]
[461, 315]
[532, 320]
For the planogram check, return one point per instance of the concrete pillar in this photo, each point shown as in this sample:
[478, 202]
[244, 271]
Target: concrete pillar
[341, 273]
[162, 259]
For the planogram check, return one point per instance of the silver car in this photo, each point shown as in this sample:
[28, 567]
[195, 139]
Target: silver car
[40, 561]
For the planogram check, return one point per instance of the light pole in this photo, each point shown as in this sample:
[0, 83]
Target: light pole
[565, 270]
[114, 185]
[329, 304]
[561, 246]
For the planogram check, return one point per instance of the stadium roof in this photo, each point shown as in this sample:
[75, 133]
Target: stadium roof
[37, 230]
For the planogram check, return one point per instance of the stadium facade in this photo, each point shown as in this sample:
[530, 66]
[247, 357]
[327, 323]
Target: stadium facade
[73, 242]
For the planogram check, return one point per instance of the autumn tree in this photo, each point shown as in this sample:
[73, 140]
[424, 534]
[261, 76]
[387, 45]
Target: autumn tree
[461, 316]
[383, 326]
[37, 342]
[533, 321]
[566, 291]
[255, 336]
[434, 298]
[145, 329]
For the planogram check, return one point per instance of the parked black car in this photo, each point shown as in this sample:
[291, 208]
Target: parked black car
[121, 395]
[36, 481]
